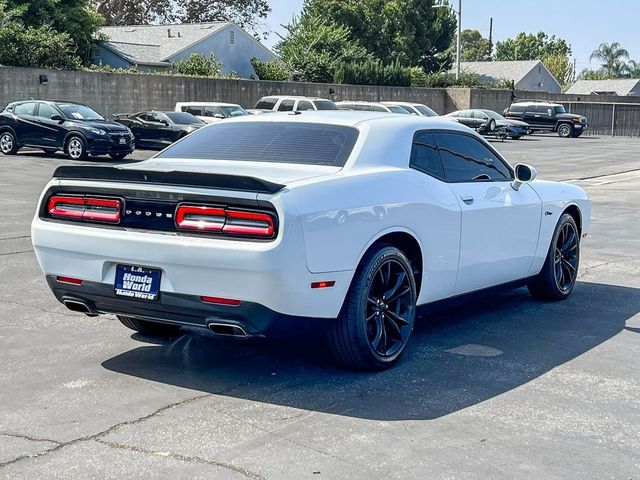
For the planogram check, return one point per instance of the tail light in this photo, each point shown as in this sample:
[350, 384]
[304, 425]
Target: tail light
[227, 221]
[91, 209]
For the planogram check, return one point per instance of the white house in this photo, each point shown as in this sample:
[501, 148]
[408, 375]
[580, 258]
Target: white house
[530, 75]
[619, 86]
[156, 47]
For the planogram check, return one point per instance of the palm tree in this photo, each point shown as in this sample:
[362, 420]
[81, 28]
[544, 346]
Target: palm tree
[612, 56]
[633, 69]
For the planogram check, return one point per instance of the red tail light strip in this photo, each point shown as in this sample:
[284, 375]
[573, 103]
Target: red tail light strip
[85, 208]
[233, 222]
[221, 301]
[69, 280]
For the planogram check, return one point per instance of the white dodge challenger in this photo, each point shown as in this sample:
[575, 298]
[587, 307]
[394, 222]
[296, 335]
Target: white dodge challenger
[265, 224]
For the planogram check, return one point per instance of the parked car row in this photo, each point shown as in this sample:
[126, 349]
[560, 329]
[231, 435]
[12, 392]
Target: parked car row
[79, 131]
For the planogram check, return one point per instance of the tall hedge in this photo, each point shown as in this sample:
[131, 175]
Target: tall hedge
[373, 72]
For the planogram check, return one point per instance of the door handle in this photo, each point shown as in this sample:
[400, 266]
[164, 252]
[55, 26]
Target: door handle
[468, 199]
[537, 116]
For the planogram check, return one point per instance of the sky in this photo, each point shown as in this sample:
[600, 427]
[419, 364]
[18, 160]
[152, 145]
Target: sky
[585, 24]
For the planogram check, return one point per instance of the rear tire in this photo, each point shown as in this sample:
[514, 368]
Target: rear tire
[146, 327]
[377, 318]
[560, 270]
[8, 143]
[565, 130]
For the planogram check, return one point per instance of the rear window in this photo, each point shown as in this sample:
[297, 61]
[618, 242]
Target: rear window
[325, 105]
[426, 111]
[278, 142]
[183, 118]
[266, 104]
[516, 108]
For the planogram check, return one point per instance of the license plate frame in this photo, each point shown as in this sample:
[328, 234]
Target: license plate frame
[137, 283]
[122, 141]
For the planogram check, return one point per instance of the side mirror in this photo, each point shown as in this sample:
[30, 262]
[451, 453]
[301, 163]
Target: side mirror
[165, 123]
[524, 174]
[57, 118]
[220, 116]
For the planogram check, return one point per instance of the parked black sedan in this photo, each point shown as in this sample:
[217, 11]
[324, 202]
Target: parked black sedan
[154, 129]
[488, 122]
[76, 129]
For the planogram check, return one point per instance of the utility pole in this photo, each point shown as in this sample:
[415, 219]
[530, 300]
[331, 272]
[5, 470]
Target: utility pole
[574, 69]
[490, 36]
[459, 43]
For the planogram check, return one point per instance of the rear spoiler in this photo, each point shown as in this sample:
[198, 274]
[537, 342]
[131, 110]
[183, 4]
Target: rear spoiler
[174, 178]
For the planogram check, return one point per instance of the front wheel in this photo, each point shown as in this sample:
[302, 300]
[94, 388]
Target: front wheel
[76, 148]
[152, 329]
[8, 143]
[565, 130]
[560, 270]
[376, 321]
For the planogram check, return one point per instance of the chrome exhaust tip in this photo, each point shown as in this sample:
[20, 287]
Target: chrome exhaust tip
[227, 330]
[79, 306]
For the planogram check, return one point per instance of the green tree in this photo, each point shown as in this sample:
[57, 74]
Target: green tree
[314, 47]
[73, 17]
[560, 67]
[373, 72]
[613, 57]
[633, 69]
[529, 46]
[588, 74]
[27, 46]
[275, 70]
[409, 32]
[199, 66]
[474, 47]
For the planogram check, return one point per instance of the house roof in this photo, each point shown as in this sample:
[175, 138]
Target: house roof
[506, 70]
[156, 44]
[620, 86]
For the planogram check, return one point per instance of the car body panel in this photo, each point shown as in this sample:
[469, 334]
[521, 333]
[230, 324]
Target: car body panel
[328, 217]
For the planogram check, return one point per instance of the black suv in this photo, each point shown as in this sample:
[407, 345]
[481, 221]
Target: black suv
[544, 116]
[74, 128]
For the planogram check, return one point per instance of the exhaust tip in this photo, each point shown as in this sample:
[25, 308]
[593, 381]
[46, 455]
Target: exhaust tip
[79, 306]
[228, 330]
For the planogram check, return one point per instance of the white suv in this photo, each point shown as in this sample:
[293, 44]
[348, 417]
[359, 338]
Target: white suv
[278, 103]
[211, 112]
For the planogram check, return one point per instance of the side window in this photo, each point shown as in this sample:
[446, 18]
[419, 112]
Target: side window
[286, 106]
[212, 111]
[46, 111]
[378, 108]
[144, 117]
[466, 159]
[304, 105]
[480, 115]
[425, 157]
[543, 110]
[193, 110]
[25, 108]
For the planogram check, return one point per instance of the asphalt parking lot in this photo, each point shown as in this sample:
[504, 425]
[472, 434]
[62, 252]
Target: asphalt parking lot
[506, 387]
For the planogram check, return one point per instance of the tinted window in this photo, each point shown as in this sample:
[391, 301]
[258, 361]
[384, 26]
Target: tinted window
[426, 111]
[466, 159]
[212, 111]
[24, 108]
[266, 104]
[377, 108]
[286, 106]
[425, 157]
[516, 109]
[145, 116]
[193, 110]
[46, 111]
[560, 109]
[279, 142]
[325, 105]
[183, 118]
[304, 105]
[543, 109]
[233, 111]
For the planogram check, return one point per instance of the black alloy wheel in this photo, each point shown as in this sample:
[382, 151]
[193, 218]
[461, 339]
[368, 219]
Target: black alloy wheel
[376, 321]
[565, 257]
[559, 273]
[565, 130]
[389, 309]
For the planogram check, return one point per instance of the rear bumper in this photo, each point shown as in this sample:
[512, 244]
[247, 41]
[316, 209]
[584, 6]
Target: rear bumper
[188, 310]
[272, 274]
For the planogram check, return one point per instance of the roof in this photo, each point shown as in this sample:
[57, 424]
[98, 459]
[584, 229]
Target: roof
[505, 70]
[620, 86]
[156, 44]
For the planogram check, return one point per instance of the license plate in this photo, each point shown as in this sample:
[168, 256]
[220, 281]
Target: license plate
[137, 283]
[122, 141]
[578, 126]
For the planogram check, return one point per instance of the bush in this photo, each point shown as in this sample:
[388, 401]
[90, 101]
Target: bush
[37, 47]
[198, 66]
[373, 72]
[275, 70]
[446, 79]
